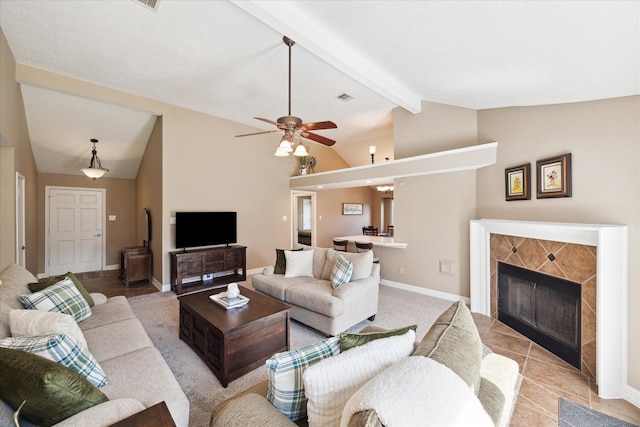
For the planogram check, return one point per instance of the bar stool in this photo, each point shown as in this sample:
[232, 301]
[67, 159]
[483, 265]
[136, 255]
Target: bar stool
[364, 247]
[340, 245]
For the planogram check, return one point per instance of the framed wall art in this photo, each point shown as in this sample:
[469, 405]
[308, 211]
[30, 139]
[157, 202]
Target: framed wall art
[517, 182]
[554, 177]
[352, 209]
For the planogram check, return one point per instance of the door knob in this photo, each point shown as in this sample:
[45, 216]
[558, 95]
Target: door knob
[97, 235]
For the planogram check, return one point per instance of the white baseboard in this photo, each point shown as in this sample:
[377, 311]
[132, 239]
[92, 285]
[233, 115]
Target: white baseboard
[425, 291]
[112, 267]
[255, 271]
[632, 395]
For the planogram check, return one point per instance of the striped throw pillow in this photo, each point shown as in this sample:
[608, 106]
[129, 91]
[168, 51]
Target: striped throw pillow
[285, 370]
[62, 297]
[341, 272]
[61, 349]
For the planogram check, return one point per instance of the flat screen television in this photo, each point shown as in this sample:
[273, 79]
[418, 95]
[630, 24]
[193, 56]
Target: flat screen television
[196, 229]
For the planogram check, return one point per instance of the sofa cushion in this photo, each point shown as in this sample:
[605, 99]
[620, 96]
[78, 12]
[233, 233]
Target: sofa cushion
[299, 263]
[62, 349]
[453, 340]
[129, 334]
[330, 383]
[36, 322]
[424, 392]
[53, 392]
[342, 271]
[316, 296]
[349, 340]
[116, 309]
[285, 371]
[276, 285]
[38, 286]
[63, 297]
[146, 372]
[362, 264]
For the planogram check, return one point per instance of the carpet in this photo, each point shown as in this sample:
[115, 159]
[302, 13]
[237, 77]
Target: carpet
[571, 414]
[158, 313]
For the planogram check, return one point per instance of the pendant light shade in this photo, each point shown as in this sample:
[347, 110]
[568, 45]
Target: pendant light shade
[300, 151]
[95, 169]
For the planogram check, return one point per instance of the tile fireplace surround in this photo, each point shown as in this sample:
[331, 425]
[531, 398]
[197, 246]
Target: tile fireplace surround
[610, 242]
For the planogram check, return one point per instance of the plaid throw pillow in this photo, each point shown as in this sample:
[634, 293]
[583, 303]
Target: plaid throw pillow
[61, 349]
[341, 272]
[286, 387]
[62, 297]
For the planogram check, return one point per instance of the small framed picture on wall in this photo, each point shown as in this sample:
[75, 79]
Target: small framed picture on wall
[352, 209]
[517, 182]
[554, 177]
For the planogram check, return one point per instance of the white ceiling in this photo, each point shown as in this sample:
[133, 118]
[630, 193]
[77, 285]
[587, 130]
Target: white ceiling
[227, 59]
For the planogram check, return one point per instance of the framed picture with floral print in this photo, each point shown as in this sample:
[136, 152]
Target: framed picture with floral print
[517, 182]
[554, 177]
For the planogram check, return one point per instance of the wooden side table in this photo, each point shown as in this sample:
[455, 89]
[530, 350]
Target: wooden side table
[157, 415]
[135, 264]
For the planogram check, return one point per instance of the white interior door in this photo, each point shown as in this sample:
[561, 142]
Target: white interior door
[76, 223]
[21, 245]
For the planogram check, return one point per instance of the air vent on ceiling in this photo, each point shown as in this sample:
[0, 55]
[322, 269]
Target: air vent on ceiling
[151, 4]
[345, 97]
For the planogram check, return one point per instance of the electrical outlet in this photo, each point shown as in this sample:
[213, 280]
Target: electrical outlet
[401, 270]
[446, 267]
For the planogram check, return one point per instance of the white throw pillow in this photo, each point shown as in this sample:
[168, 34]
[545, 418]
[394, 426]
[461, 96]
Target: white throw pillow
[330, 383]
[299, 263]
[422, 391]
[36, 322]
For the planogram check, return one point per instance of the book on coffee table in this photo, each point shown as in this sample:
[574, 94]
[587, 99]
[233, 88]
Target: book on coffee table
[227, 302]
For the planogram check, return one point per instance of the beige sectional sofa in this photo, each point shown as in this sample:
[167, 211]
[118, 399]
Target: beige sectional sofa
[313, 299]
[137, 375]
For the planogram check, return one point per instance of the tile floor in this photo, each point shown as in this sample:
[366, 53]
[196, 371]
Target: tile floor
[545, 379]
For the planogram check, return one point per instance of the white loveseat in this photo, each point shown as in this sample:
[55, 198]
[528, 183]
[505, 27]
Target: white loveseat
[313, 299]
[137, 375]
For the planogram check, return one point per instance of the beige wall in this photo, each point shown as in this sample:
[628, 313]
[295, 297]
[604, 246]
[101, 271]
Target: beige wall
[120, 201]
[333, 223]
[18, 158]
[603, 138]
[432, 212]
[149, 195]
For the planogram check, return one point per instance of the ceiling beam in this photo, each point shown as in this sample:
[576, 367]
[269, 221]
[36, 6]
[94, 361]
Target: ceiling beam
[285, 18]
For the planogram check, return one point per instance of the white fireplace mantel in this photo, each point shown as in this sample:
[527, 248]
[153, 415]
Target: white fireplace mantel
[611, 284]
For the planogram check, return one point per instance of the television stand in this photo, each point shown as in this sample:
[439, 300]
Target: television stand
[226, 263]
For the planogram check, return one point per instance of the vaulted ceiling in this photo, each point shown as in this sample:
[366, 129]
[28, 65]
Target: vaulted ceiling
[227, 59]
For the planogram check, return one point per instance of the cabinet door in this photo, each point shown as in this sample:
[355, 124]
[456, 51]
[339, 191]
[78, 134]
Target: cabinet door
[234, 258]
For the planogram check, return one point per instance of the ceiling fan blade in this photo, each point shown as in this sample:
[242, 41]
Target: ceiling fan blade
[268, 121]
[317, 138]
[318, 125]
[258, 133]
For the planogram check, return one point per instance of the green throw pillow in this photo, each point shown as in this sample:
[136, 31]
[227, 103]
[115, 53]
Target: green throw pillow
[454, 341]
[280, 267]
[52, 392]
[38, 286]
[350, 340]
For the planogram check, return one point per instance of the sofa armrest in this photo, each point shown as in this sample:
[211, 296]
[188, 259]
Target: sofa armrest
[98, 298]
[268, 271]
[104, 414]
[250, 409]
[375, 270]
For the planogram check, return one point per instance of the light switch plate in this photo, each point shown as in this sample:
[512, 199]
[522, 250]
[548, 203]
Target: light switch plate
[112, 217]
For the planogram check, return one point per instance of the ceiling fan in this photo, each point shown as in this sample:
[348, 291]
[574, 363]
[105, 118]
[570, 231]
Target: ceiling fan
[293, 126]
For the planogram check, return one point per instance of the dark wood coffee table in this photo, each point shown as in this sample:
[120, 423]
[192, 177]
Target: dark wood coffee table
[235, 341]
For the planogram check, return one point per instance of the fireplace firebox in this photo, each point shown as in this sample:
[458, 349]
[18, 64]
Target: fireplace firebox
[544, 308]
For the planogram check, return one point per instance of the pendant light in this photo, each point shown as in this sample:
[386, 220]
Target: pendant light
[95, 169]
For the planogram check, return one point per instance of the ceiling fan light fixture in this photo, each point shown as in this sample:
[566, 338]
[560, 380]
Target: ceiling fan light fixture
[300, 151]
[282, 153]
[285, 145]
[95, 169]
